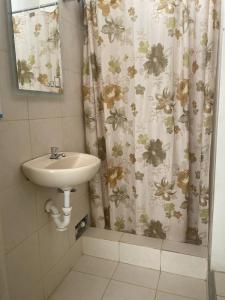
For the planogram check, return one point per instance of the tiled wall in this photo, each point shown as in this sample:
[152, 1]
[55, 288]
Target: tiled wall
[36, 255]
[218, 207]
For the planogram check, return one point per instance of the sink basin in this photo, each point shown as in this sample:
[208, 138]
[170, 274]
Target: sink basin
[64, 173]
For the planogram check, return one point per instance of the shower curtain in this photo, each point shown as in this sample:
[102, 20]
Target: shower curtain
[149, 77]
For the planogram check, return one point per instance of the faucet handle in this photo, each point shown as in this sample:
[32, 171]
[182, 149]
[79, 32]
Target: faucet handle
[54, 150]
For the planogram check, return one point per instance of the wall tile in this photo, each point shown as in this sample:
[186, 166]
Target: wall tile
[55, 276]
[101, 248]
[44, 106]
[21, 203]
[3, 26]
[53, 245]
[18, 212]
[14, 150]
[23, 270]
[140, 256]
[71, 11]
[220, 283]
[71, 104]
[141, 241]
[187, 265]
[3, 281]
[103, 234]
[80, 202]
[73, 134]
[72, 60]
[185, 248]
[75, 252]
[14, 102]
[42, 195]
[44, 134]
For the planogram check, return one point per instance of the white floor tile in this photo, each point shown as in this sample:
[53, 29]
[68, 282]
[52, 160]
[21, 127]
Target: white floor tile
[101, 248]
[79, 286]
[220, 283]
[96, 266]
[136, 275]
[186, 265]
[183, 286]
[123, 291]
[104, 234]
[140, 256]
[166, 296]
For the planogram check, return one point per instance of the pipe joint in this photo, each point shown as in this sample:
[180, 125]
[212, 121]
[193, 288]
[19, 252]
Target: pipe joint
[61, 220]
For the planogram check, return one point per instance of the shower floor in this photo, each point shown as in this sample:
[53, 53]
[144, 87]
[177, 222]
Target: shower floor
[100, 279]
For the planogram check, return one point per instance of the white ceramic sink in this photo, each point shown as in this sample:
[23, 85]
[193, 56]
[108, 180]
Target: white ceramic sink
[64, 173]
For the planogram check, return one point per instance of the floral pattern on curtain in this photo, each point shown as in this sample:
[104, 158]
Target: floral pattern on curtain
[149, 78]
[37, 46]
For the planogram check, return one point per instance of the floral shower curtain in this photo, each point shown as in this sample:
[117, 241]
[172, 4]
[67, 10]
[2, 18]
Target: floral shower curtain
[149, 81]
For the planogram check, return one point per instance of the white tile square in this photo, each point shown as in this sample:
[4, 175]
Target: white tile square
[103, 234]
[80, 286]
[100, 248]
[53, 246]
[55, 276]
[95, 266]
[182, 264]
[136, 275]
[166, 296]
[23, 271]
[183, 286]
[220, 283]
[123, 291]
[185, 248]
[141, 241]
[140, 256]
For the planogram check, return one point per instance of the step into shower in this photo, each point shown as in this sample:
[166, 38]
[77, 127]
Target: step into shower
[168, 256]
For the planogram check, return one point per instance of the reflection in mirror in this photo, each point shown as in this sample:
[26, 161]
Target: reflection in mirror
[37, 45]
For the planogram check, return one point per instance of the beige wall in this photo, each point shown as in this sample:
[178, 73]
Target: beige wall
[36, 255]
[217, 250]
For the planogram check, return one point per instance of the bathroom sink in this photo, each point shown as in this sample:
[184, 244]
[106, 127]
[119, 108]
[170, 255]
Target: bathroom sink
[64, 173]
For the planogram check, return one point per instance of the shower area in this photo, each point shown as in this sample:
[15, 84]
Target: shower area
[149, 89]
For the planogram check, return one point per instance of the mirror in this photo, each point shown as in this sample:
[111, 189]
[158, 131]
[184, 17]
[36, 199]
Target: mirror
[37, 45]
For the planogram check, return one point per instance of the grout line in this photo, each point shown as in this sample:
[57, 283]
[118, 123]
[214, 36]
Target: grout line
[156, 291]
[91, 274]
[114, 271]
[106, 288]
[182, 296]
[133, 284]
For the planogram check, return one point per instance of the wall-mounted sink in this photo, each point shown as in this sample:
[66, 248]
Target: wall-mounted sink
[64, 173]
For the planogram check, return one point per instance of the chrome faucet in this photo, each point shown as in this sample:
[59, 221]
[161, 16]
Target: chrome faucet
[55, 153]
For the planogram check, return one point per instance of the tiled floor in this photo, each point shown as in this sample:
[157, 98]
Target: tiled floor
[98, 279]
[220, 285]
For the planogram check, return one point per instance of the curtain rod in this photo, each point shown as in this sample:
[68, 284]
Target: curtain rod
[73, 0]
[34, 8]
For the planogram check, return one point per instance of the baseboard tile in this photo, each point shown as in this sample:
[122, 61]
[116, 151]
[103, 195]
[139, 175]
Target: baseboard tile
[147, 252]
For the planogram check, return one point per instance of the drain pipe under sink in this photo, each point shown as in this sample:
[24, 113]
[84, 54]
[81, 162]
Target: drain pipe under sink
[61, 220]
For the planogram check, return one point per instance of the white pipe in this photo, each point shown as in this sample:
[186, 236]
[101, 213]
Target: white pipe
[61, 220]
